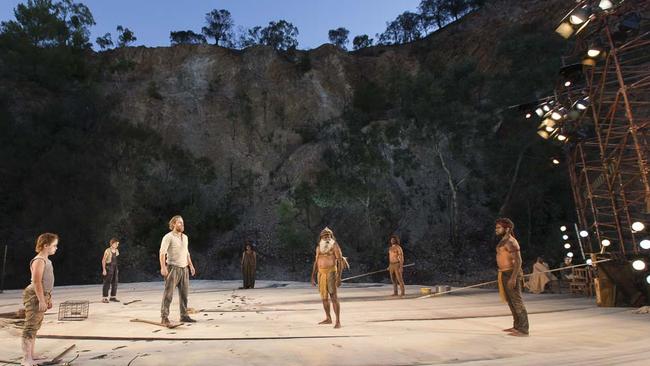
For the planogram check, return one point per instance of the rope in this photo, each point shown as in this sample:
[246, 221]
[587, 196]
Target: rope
[371, 273]
[495, 281]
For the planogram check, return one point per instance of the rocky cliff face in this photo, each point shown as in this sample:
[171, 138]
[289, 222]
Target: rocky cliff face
[265, 120]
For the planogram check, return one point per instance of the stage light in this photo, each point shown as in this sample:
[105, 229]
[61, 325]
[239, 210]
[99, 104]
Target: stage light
[543, 134]
[645, 244]
[569, 254]
[579, 16]
[589, 62]
[561, 138]
[565, 237]
[584, 233]
[547, 123]
[638, 264]
[605, 4]
[638, 226]
[559, 114]
[562, 228]
[571, 74]
[606, 242]
[567, 245]
[582, 104]
[589, 262]
[546, 108]
[565, 29]
[556, 162]
[539, 112]
[528, 115]
[647, 279]
[594, 51]
[549, 129]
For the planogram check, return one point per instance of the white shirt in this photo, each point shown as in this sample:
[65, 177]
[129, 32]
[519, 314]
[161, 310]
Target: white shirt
[175, 248]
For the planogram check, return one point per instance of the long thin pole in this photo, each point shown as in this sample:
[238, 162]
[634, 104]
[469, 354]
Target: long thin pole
[371, 273]
[530, 274]
[2, 276]
[579, 241]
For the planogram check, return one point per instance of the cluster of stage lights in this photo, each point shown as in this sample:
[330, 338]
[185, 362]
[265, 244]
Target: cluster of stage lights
[637, 227]
[640, 264]
[589, 10]
[553, 113]
[637, 264]
[566, 237]
[583, 14]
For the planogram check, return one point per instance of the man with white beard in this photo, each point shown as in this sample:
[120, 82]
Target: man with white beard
[330, 263]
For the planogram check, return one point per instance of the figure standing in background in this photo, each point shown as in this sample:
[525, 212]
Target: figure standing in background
[109, 271]
[396, 264]
[248, 265]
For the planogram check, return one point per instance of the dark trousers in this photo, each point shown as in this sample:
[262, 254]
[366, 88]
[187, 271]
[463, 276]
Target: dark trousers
[110, 280]
[178, 277]
[515, 302]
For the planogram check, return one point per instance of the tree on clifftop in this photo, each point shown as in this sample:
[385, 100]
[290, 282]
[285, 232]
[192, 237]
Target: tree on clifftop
[125, 36]
[339, 37]
[105, 41]
[44, 23]
[280, 35]
[219, 26]
[407, 27]
[434, 13]
[361, 41]
[186, 37]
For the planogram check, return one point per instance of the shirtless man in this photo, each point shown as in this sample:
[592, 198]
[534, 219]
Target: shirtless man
[510, 275]
[396, 264]
[329, 263]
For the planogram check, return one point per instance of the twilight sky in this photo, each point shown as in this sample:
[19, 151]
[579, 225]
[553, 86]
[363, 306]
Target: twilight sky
[152, 20]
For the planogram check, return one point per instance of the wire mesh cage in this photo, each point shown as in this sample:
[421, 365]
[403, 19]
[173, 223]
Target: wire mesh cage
[73, 310]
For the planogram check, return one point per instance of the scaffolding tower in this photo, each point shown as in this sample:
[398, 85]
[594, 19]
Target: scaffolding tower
[607, 149]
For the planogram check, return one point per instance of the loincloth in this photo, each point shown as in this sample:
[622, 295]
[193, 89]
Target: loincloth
[395, 267]
[327, 282]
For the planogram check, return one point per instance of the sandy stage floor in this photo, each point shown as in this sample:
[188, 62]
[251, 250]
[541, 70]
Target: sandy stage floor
[275, 324]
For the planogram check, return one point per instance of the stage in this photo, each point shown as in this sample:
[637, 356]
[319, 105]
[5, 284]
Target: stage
[276, 324]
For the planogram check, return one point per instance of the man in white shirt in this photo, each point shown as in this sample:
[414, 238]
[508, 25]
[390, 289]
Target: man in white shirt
[174, 262]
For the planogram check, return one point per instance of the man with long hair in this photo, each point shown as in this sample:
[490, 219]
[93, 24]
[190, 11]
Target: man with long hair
[248, 264]
[175, 267]
[396, 264]
[329, 264]
[510, 276]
